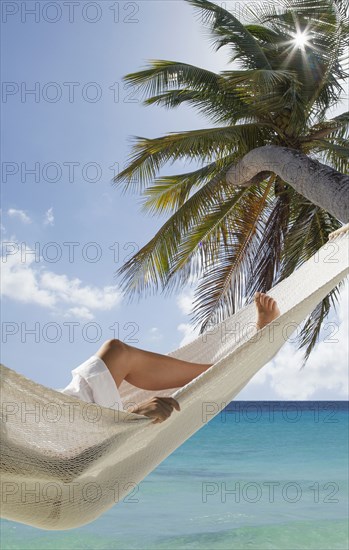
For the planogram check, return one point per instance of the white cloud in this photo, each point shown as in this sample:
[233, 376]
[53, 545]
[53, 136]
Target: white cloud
[72, 291]
[155, 334]
[82, 313]
[31, 283]
[186, 297]
[19, 214]
[188, 332]
[185, 301]
[185, 304]
[49, 217]
[20, 281]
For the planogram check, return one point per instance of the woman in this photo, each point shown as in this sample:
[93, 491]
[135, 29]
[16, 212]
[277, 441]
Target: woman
[97, 380]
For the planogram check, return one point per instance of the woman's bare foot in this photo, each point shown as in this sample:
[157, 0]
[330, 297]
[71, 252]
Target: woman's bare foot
[267, 309]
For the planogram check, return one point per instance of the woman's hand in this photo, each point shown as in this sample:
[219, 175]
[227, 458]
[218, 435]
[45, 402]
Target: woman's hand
[159, 408]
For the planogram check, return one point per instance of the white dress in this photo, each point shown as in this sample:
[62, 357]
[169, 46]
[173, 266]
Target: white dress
[93, 382]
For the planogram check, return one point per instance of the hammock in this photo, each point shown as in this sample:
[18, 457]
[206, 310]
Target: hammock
[65, 462]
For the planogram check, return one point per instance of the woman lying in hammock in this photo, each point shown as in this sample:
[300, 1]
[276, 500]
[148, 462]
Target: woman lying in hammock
[116, 361]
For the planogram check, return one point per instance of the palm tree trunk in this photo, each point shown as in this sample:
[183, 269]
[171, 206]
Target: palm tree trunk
[319, 183]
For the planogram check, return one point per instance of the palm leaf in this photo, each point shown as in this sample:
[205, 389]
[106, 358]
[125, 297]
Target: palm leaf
[206, 236]
[229, 30]
[222, 288]
[150, 266]
[265, 270]
[263, 78]
[337, 126]
[149, 155]
[163, 75]
[219, 107]
[309, 232]
[170, 192]
[334, 154]
[263, 34]
[309, 336]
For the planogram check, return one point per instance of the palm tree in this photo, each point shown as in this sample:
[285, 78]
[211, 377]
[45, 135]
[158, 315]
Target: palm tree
[233, 235]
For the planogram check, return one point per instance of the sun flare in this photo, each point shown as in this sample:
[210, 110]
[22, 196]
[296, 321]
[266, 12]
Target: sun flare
[301, 39]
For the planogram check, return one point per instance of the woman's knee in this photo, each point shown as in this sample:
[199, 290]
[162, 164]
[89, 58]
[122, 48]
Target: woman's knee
[113, 344]
[112, 352]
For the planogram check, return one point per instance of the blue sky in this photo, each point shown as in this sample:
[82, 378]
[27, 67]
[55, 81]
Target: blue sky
[75, 130]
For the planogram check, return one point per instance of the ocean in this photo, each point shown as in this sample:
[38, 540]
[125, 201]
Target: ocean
[260, 475]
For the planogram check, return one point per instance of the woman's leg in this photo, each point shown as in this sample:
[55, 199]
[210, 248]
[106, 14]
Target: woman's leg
[154, 371]
[145, 369]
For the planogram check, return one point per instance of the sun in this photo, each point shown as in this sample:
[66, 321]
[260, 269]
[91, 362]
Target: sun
[300, 39]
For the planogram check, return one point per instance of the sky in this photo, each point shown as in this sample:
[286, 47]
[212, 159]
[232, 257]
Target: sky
[68, 121]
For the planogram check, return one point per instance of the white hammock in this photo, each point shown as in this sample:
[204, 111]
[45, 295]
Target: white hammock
[65, 462]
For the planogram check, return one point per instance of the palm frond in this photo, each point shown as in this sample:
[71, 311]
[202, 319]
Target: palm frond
[206, 237]
[148, 269]
[268, 91]
[222, 287]
[242, 94]
[149, 155]
[265, 270]
[263, 34]
[308, 231]
[228, 30]
[342, 119]
[327, 88]
[334, 153]
[343, 7]
[162, 75]
[170, 192]
[263, 78]
[321, 70]
[219, 107]
[335, 127]
[310, 334]
[285, 11]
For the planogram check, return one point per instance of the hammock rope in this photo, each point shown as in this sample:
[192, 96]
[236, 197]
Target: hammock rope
[65, 462]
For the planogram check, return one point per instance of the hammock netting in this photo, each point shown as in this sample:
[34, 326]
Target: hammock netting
[65, 462]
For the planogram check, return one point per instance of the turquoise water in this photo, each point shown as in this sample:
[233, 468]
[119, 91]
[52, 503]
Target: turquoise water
[270, 475]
